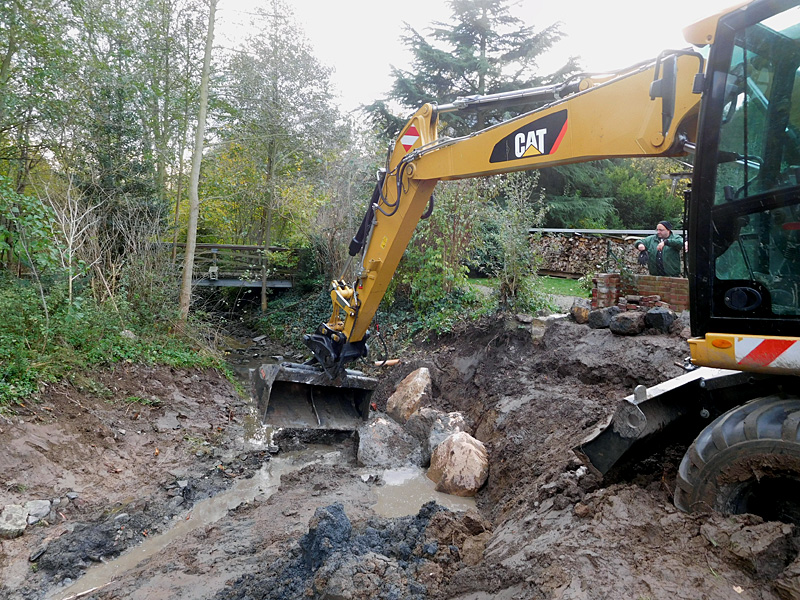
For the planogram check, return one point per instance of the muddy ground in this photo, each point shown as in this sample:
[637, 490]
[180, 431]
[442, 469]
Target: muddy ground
[129, 456]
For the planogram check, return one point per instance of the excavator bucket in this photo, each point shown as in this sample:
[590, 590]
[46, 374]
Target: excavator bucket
[299, 396]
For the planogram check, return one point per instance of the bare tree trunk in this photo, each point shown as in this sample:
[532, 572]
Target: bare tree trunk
[194, 178]
[265, 260]
[178, 192]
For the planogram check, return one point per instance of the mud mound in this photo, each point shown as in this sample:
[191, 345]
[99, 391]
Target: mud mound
[131, 450]
[404, 558]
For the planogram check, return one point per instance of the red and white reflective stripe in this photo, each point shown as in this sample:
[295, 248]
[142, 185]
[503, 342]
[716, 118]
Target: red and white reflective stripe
[409, 138]
[758, 352]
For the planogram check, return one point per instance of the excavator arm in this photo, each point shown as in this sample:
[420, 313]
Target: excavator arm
[648, 110]
[744, 250]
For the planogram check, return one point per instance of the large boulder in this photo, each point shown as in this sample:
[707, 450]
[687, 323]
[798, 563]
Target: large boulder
[601, 318]
[627, 323]
[383, 443]
[409, 395]
[660, 319]
[580, 309]
[459, 465]
[431, 427]
[13, 521]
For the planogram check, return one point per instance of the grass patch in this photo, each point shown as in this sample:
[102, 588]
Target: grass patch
[557, 286]
[68, 339]
[560, 286]
[142, 401]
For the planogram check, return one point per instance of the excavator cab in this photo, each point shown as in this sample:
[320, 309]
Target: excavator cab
[746, 189]
[744, 280]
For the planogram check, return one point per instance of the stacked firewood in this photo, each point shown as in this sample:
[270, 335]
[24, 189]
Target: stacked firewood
[575, 255]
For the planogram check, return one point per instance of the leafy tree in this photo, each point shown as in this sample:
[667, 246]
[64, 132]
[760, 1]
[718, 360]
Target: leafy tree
[483, 50]
[614, 193]
[170, 44]
[521, 207]
[37, 59]
[194, 178]
[433, 266]
[642, 196]
[280, 131]
[575, 211]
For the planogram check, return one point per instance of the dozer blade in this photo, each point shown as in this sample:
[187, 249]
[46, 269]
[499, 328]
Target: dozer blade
[298, 396]
[685, 402]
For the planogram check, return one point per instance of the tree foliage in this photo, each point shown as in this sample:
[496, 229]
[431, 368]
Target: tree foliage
[433, 266]
[484, 49]
[613, 194]
[279, 130]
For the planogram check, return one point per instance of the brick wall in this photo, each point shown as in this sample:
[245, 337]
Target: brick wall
[610, 289]
[606, 289]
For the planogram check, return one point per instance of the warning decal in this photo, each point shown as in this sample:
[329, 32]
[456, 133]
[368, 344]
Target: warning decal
[409, 138]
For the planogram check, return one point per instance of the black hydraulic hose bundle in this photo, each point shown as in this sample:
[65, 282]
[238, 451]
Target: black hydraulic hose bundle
[360, 238]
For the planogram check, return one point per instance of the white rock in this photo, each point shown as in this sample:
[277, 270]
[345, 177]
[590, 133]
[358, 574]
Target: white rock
[13, 521]
[409, 395]
[459, 465]
[37, 510]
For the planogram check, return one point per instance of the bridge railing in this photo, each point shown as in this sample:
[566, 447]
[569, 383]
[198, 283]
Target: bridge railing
[222, 264]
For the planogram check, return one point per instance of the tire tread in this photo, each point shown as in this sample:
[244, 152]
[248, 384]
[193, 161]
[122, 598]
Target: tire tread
[767, 418]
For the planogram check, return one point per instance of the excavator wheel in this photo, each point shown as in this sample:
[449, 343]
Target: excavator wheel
[746, 461]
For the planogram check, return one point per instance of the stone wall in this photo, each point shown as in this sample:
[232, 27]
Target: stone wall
[611, 289]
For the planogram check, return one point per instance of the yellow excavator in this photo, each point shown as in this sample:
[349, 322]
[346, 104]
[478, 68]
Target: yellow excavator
[734, 104]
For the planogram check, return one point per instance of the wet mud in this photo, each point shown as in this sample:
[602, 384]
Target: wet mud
[124, 471]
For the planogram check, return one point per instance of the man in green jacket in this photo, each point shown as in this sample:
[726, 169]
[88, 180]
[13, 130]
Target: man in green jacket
[662, 251]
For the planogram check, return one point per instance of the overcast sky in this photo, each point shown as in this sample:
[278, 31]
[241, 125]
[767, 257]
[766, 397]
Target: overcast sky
[360, 39]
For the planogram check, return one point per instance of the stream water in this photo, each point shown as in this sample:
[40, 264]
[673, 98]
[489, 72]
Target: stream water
[402, 492]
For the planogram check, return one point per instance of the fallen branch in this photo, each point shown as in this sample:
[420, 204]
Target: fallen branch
[87, 592]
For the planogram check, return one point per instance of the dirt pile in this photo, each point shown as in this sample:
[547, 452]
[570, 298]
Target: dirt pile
[403, 558]
[545, 527]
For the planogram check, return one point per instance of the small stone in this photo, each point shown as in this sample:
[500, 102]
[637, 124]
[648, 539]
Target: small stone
[13, 521]
[580, 309]
[37, 553]
[37, 510]
[601, 318]
[660, 319]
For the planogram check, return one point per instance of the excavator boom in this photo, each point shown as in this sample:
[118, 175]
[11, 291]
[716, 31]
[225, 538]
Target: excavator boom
[735, 108]
[648, 110]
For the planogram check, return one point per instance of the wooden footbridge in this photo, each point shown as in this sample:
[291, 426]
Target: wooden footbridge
[232, 265]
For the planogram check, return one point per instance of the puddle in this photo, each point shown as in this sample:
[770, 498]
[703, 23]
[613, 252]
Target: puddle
[204, 513]
[403, 493]
[406, 489]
